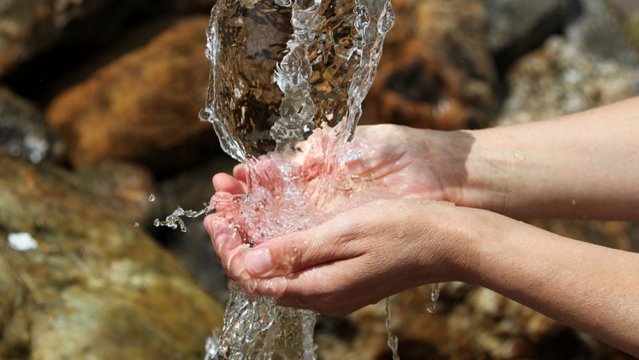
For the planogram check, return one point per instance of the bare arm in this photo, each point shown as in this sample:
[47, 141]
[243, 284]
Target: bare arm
[583, 166]
[588, 287]
[385, 247]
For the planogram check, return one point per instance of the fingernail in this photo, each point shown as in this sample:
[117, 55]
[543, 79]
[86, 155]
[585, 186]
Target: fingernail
[259, 262]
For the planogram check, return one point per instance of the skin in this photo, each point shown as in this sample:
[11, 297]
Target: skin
[580, 166]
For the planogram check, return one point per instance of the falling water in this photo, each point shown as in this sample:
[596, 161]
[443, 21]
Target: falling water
[287, 81]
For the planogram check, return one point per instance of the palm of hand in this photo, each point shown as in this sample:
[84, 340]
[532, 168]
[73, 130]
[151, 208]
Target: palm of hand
[394, 163]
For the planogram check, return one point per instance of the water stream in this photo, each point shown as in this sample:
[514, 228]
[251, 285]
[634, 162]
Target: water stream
[287, 81]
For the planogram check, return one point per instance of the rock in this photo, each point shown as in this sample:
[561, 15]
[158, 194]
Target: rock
[627, 11]
[614, 234]
[92, 286]
[601, 33]
[28, 28]
[516, 27]
[142, 107]
[127, 186]
[559, 79]
[23, 131]
[189, 190]
[201, 6]
[471, 323]
[436, 71]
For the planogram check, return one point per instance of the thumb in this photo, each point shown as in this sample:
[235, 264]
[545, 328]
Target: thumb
[295, 252]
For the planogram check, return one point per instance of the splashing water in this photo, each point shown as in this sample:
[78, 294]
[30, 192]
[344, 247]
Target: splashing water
[287, 81]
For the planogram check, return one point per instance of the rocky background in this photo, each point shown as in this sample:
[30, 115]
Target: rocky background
[98, 110]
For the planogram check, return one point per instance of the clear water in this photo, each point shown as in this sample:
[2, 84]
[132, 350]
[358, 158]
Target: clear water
[287, 81]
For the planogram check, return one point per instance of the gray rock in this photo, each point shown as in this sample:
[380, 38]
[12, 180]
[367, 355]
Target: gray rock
[23, 131]
[515, 27]
[82, 282]
[600, 32]
[559, 79]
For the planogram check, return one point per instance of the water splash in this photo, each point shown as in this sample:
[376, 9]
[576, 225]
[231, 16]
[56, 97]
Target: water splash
[392, 342]
[287, 81]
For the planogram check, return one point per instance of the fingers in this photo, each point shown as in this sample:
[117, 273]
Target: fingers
[292, 253]
[227, 183]
[229, 247]
[240, 173]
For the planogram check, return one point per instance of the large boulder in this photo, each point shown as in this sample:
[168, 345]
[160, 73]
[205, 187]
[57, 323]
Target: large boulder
[142, 107]
[79, 281]
[436, 70]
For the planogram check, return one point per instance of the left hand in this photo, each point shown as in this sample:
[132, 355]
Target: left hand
[354, 259]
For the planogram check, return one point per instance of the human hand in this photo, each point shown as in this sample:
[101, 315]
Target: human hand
[393, 160]
[354, 259]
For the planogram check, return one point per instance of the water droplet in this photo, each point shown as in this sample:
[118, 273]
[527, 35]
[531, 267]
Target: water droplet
[156, 223]
[151, 198]
[136, 225]
[520, 156]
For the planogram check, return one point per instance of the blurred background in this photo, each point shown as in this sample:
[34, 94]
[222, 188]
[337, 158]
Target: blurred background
[98, 110]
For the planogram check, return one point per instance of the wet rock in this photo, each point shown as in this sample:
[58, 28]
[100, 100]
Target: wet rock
[93, 286]
[142, 107]
[29, 27]
[559, 79]
[436, 71]
[23, 131]
[600, 31]
[516, 27]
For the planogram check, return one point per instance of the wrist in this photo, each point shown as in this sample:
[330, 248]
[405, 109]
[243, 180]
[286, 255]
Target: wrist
[473, 170]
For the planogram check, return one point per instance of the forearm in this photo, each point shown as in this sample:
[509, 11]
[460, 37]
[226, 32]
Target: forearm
[588, 287]
[584, 165]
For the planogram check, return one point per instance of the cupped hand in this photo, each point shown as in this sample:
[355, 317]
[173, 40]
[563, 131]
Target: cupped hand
[399, 160]
[362, 255]
[355, 259]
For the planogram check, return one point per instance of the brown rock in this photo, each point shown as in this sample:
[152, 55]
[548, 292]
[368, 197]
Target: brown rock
[471, 323]
[86, 284]
[436, 71]
[30, 27]
[127, 186]
[143, 107]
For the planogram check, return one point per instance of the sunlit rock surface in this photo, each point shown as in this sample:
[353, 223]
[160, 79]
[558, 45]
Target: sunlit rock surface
[143, 106]
[95, 287]
[560, 79]
[436, 70]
